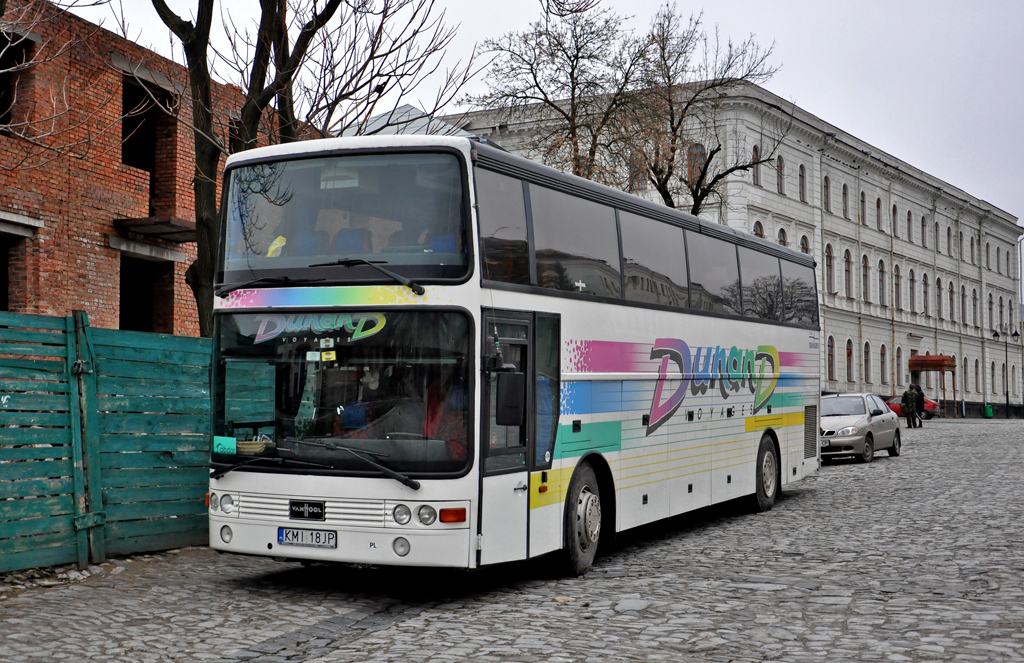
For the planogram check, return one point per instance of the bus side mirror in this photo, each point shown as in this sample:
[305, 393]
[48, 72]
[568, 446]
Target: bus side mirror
[510, 401]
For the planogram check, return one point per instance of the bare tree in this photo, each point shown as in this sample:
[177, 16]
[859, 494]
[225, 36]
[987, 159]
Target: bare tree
[571, 73]
[63, 118]
[672, 134]
[332, 61]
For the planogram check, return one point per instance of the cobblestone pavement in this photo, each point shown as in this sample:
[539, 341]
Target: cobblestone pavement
[919, 557]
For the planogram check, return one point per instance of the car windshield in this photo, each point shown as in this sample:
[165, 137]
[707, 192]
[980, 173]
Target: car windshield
[404, 210]
[842, 405]
[313, 387]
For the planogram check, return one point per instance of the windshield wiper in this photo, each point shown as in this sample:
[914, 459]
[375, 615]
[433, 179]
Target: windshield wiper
[358, 453]
[376, 264]
[216, 474]
[231, 287]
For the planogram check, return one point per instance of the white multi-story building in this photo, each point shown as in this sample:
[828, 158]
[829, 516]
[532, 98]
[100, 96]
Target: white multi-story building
[908, 264]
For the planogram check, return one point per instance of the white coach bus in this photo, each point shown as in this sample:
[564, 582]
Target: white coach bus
[430, 352]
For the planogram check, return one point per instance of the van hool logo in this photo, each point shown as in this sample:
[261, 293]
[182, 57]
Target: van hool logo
[729, 369]
[359, 326]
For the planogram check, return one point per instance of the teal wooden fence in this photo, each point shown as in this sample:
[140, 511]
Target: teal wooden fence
[104, 441]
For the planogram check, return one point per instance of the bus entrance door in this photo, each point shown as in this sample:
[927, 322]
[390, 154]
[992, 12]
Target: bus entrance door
[505, 485]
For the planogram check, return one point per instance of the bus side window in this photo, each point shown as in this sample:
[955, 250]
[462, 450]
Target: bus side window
[547, 390]
[504, 244]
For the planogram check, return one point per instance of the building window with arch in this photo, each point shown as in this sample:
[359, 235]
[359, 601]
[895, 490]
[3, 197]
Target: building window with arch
[952, 302]
[696, 157]
[924, 294]
[780, 175]
[846, 202]
[758, 229]
[910, 226]
[988, 257]
[913, 293]
[826, 194]
[867, 363]
[755, 158]
[977, 376]
[936, 229]
[878, 213]
[927, 375]
[991, 313]
[966, 383]
[883, 370]
[1005, 389]
[974, 307]
[830, 270]
[850, 377]
[1013, 378]
[992, 381]
[895, 222]
[949, 241]
[972, 251]
[805, 245]
[1001, 321]
[899, 366]
[863, 218]
[802, 183]
[897, 286]
[999, 267]
[865, 279]
[831, 358]
[848, 274]
[961, 254]
[938, 298]
[881, 282]
[924, 232]
[782, 237]
[1010, 321]
[963, 304]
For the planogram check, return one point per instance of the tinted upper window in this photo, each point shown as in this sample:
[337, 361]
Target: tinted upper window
[762, 294]
[576, 244]
[504, 241]
[799, 294]
[405, 209]
[714, 274]
[654, 258]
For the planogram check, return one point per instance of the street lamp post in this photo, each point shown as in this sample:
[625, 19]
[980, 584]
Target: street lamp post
[1006, 359]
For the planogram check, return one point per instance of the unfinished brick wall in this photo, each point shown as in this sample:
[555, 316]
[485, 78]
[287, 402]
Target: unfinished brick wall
[69, 264]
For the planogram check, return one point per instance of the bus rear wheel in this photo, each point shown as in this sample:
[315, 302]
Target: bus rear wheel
[767, 479]
[582, 519]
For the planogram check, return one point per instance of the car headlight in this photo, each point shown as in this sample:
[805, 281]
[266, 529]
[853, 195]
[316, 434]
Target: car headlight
[849, 430]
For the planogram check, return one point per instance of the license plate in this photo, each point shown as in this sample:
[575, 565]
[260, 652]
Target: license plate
[313, 538]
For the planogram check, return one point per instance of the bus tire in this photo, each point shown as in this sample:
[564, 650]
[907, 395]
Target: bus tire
[582, 519]
[767, 474]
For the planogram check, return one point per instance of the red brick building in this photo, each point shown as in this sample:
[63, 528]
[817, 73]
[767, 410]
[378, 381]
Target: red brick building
[96, 201]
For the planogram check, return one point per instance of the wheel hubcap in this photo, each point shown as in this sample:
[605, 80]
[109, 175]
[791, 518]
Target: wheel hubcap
[588, 518]
[768, 472]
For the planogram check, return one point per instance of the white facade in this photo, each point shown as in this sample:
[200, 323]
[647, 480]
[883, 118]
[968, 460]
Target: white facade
[914, 260]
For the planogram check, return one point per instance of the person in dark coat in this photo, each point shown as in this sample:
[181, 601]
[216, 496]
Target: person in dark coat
[908, 407]
[920, 405]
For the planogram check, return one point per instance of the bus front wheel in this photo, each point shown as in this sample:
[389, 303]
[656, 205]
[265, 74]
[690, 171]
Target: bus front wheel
[582, 519]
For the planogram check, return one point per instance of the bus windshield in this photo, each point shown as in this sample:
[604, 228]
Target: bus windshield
[404, 210]
[330, 390]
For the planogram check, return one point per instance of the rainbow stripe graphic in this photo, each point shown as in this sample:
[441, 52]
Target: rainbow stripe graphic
[323, 297]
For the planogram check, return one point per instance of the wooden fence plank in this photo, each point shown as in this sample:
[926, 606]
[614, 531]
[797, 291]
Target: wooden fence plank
[154, 404]
[20, 509]
[22, 369]
[130, 495]
[161, 509]
[18, 544]
[8, 418]
[130, 528]
[36, 558]
[143, 370]
[169, 442]
[12, 490]
[116, 422]
[13, 528]
[122, 338]
[34, 386]
[33, 453]
[36, 402]
[107, 385]
[55, 436]
[26, 350]
[30, 321]
[198, 357]
[175, 476]
[55, 339]
[154, 460]
[41, 469]
[162, 541]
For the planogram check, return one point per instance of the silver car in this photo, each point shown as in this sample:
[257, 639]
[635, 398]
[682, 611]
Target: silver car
[858, 425]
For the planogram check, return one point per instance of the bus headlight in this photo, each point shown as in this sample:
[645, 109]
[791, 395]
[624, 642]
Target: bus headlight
[402, 515]
[427, 514]
[214, 502]
[401, 546]
[227, 503]
[225, 534]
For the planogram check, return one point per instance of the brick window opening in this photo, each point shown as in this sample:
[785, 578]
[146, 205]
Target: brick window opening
[7, 244]
[15, 52]
[148, 137]
[147, 295]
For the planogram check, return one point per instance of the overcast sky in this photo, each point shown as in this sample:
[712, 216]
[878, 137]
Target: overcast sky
[936, 83]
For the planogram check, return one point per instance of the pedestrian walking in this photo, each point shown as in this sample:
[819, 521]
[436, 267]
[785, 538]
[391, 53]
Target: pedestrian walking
[920, 405]
[908, 407]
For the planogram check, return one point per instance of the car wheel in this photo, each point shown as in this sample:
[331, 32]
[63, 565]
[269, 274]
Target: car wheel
[868, 454]
[767, 478]
[582, 519]
[928, 415]
[897, 445]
